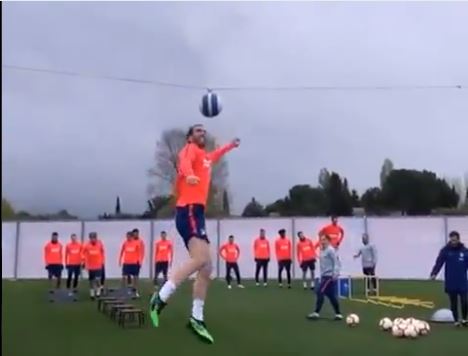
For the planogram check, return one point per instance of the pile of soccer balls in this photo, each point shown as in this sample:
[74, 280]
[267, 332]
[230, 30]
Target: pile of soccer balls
[409, 328]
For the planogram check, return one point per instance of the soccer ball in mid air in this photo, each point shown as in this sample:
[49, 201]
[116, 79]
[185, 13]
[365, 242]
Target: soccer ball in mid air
[210, 105]
[352, 320]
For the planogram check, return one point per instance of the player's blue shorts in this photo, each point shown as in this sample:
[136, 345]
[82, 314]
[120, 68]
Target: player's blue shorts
[54, 270]
[74, 269]
[131, 269]
[190, 222]
[94, 274]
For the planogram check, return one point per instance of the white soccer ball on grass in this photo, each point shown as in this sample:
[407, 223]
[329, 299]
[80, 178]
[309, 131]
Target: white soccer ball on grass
[352, 320]
[410, 332]
[386, 324]
[397, 330]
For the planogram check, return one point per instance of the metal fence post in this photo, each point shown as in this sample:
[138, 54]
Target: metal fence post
[366, 228]
[151, 249]
[17, 247]
[293, 228]
[82, 234]
[446, 228]
[218, 241]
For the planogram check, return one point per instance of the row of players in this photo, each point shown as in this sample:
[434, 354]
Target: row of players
[91, 256]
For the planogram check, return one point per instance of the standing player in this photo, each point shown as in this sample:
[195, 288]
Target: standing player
[129, 259]
[334, 231]
[139, 240]
[230, 252]
[306, 256]
[455, 258]
[329, 271]
[163, 254]
[73, 261]
[283, 251]
[368, 254]
[192, 184]
[262, 257]
[102, 274]
[93, 254]
[53, 258]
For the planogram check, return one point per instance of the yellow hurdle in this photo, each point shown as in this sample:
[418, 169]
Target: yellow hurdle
[377, 299]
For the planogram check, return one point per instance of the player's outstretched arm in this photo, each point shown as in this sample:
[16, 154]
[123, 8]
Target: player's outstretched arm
[439, 263]
[216, 155]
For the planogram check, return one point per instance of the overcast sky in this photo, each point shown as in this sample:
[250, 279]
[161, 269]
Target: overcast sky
[76, 143]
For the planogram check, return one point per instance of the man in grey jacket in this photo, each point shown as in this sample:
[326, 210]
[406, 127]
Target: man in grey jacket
[368, 254]
[329, 271]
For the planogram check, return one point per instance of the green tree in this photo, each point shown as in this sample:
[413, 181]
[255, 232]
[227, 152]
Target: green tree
[302, 200]
[253, 209]
[417, 193]
[355, 199]
[8, 213]
[372, 201]
[339, 198]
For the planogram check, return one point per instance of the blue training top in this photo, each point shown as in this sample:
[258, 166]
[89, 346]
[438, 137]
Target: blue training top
[455, 259]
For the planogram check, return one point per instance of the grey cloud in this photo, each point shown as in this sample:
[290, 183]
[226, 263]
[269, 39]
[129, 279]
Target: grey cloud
[77, 143]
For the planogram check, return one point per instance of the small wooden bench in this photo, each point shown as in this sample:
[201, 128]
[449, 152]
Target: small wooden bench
[116, 308]
[131, 315]
[101, 300]
[107, 305]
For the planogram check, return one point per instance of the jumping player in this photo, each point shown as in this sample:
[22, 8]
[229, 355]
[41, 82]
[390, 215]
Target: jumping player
[192, 188]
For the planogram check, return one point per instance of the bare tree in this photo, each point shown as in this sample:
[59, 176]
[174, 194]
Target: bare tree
[164, 171]
[324, 178]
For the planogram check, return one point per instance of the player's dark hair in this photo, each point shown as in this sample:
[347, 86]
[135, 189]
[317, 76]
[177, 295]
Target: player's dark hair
[190, 131]
[299, 233]
[55, 234]
[163, 232]
[135, 230]
[282, 231]
[455, 234]
[231, 237]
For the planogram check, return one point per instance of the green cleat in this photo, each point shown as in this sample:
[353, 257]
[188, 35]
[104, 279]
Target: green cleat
[156, 306]
[199, 328]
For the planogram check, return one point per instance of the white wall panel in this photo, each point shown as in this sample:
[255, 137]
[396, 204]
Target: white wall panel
[407, 247]
[245, 231]
[113, 234]
[32, 239]
[353, 230]
[180, 251]
[460, 224]
[8, 249]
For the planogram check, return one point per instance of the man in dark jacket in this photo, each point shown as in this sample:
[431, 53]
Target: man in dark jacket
[455, 258]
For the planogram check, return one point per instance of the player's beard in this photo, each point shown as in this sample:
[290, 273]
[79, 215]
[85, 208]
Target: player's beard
[200, 142]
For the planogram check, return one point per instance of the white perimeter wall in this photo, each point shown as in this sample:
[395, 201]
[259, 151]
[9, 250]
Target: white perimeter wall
[407, 247]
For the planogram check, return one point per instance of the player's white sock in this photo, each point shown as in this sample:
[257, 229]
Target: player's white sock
[91, 293]
[197, 309]
[167, 290]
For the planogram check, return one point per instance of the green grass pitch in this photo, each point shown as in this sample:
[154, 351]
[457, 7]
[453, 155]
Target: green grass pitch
[255, 321]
